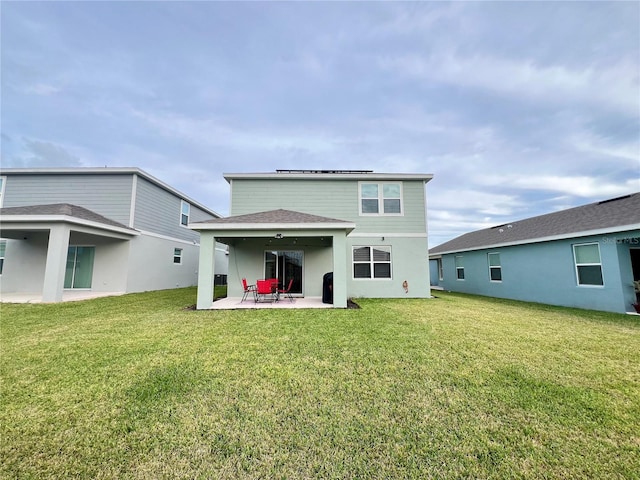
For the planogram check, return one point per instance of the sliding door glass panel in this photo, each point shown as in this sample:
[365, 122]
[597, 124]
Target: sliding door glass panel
[79, 270]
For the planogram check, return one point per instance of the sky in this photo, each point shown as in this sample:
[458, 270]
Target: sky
[517, 109]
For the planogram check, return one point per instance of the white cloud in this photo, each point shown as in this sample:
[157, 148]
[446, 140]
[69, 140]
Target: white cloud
[40, 89]
[615, 86]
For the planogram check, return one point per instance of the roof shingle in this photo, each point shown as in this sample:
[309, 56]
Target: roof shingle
[615, 212]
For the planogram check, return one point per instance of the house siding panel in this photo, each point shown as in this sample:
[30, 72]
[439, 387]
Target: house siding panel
[329, 198]
[107, 195]
[158, 211]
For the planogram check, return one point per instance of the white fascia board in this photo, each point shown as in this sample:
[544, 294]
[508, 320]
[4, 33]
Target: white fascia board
[565, 236]
[66, 219]
[272, 226]
[425, 177]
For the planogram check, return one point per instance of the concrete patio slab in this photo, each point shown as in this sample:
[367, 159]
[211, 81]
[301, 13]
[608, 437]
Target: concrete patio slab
[236, 303]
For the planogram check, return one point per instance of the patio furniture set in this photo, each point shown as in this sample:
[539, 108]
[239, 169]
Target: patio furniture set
[266, 290]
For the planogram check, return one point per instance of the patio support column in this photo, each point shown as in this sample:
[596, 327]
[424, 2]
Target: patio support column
[340, 270]
[206, 267]
[56, 263]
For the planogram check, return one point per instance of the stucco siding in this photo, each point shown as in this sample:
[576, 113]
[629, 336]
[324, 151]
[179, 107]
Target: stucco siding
[107, 195]
[409, 262]
[151, 265]
[545, 272]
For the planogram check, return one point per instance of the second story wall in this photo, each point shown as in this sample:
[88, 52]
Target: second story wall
[333, 198]
[160, 212]
[107, 195]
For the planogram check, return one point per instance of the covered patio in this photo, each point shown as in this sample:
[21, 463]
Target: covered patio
[280, 244]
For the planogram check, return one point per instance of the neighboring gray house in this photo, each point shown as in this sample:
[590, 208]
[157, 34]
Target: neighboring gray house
[585, 257]
[112, 230]
[368, 229]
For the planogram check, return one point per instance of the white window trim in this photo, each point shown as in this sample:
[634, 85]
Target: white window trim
[459, 268]
[576, 265]
[4, 254]
[2, 187]
[499, 267]
[380, 199]
[180, 256]
[372, 262]
[182, 204]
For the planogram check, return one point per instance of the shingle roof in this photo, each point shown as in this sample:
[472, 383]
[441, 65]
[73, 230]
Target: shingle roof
[615, 212]
[275, 217]
[57, 209]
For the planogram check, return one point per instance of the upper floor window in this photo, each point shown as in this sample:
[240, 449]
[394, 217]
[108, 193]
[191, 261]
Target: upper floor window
[185, 211]
[380, 198]
[588, 264]
[495, 269]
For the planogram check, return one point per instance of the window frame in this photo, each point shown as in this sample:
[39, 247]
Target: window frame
[380, 199]
[178, 254]
[182, 214]
[494, 267]
[371, 262]
[578, 265]
[3, 253]
[3, 183]
[459, 268]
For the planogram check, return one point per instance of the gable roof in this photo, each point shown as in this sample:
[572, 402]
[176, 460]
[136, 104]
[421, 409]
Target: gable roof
[59, 211]
[616, 214]
[272, 219]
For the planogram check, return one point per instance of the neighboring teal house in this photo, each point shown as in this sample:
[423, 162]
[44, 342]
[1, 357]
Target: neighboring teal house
[585, 257]
[368, 229]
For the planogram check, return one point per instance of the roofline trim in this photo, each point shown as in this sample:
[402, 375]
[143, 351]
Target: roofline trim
[564, 236]
[107, 171]
[66, 219]
[425, 177]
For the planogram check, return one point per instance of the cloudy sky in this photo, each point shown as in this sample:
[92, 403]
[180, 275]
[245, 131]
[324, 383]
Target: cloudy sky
[517, 108]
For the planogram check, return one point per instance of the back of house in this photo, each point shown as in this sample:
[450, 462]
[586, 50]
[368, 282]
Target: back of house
[368, 230]
[96, 229]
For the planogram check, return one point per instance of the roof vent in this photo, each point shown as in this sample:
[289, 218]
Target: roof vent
[614, 199]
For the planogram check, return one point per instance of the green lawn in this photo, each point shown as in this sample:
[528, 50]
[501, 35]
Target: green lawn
[139, 386]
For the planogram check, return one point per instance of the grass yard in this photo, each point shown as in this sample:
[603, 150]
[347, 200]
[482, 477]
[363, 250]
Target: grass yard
[455, 387]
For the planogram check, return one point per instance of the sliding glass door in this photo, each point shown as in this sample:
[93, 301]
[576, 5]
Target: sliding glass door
[284, 266]
[79, 267]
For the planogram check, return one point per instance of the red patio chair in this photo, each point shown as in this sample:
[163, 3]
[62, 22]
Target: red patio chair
[287, 291]
[264, 290]
[247, 289]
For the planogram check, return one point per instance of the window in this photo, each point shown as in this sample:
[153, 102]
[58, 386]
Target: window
[459, 268]
[185, 211]
[380, 199]
[495, 270]
[372, 262]
[3, 246]
[440, 269]
[177, 256]
[79, 270]
[2, 183]
[588, 266]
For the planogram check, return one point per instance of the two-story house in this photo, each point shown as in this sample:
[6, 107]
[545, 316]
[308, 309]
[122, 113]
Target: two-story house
[101, 230]
[368, 229]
